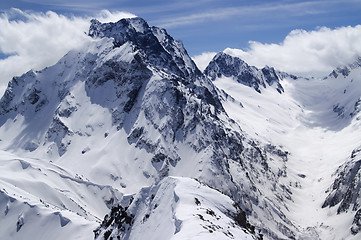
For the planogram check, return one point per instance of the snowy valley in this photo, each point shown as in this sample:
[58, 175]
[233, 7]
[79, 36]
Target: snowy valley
[125, 138]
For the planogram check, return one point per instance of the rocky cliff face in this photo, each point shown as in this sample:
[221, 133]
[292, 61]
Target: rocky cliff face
[136, 86]
[228, 66]
[131, 112]
[344, 193]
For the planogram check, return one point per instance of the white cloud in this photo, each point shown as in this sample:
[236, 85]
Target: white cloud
[203, 59]
[107, 16]
[37, 40]
[306, 53]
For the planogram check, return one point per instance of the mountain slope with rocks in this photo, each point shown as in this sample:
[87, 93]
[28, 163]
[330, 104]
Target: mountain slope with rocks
[130, 114]
[316, 122]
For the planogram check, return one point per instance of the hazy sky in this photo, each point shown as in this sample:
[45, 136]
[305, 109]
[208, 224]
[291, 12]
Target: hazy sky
[295, 36]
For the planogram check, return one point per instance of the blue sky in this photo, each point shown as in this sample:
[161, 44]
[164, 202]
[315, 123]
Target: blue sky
[209, 25]
[307, 38]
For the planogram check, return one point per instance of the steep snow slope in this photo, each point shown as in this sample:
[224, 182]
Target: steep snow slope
[316, 121]
[42, 200]
[130, 109]
[176, 208]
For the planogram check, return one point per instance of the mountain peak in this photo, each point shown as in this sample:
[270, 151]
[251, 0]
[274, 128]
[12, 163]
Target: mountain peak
[154, 45]
[114, 29]
[227, 65]
[127, 125]
[356, 63]
[346, 69]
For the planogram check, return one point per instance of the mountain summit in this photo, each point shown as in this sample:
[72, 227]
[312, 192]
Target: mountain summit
[154, 44]
[131, 140]
[228, 66]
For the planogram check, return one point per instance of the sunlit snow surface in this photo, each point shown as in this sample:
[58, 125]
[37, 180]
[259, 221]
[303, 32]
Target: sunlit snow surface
[181, 208]
[304, 122]
[44, 201]
[103, 124]
[77, 155]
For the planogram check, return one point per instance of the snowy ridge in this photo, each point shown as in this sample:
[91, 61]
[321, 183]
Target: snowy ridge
[345, 70]
[44, 198]
[226, 65]
[157, 46]
[176, 208]
[322, 143]
[131, 114]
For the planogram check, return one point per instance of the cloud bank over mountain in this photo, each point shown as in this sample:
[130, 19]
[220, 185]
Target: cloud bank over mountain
[308, 53]
[34, 40]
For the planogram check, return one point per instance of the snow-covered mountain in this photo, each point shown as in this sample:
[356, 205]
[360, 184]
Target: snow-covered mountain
[129, 127]
[316, 121]
[41, 200]
[229, 66]
[176, 208]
